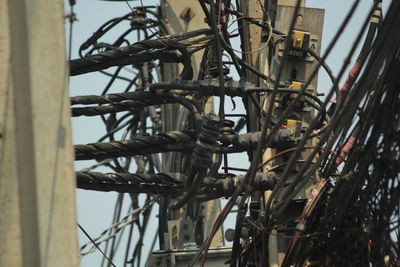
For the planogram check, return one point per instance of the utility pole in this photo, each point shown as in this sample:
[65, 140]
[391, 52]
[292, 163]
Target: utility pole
[183, 231]
[296, 70]
[37, 182]
[182, 18]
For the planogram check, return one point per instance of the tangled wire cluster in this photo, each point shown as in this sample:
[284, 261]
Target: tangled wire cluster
[352, 214]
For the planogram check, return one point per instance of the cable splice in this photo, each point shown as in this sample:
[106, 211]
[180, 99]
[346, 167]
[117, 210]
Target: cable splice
[206, 142]
[206, 87]
[201, 157]
[263, 181]
[248, 141]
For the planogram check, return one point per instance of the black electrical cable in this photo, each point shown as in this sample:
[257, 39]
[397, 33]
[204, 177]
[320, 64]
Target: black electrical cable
[324, 65]
[132, 83]
[346, 111]
[94, 244]
[232, 88]
[353, 197]
[216, 26]
[373, 26]
[308, 131]
[135, 106]
[117, 216]
[254, 70]
[177, 141]
[374, 22]
[138, 248]
[112, 58]
[101, 31]
[250, 175]
[118, 77]
[342, 119]
[131, 55]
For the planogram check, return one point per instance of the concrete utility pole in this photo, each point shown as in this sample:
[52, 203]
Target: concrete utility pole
[297, 69]
[295, 72]
[37, 182]
[183, 17]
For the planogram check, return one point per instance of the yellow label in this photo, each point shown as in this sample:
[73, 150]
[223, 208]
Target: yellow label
[295, 86]
[292, 124]
[298, 37]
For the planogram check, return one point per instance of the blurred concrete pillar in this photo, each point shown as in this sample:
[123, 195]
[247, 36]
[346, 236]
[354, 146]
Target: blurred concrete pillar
[291, 2]
[37, 183]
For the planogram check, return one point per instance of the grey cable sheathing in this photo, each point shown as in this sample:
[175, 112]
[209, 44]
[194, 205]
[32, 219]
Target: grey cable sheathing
[130, 101]
[166, 184]
[160, 183]
[119, 57]
[139, 52]
[177, 141]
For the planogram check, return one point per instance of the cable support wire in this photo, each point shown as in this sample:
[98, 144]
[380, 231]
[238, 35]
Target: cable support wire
[119, 57]
[162, 183]
[133, 101]
[138, 53]
[177, 141]
[95, 245]
[169, 184]
[123, 103]
[130, 218]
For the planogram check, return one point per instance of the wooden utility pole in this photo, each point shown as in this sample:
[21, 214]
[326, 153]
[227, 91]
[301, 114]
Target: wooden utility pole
[37, 182]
